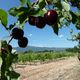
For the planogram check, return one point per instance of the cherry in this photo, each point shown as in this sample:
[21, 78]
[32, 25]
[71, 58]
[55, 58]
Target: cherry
[17, 33]
[22, 42]
[32, 20]
[40, 22]
[51, 17]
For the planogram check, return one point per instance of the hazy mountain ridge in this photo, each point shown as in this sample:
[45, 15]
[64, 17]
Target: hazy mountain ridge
[34, 48]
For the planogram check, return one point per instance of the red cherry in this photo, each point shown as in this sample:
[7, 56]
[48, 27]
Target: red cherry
[51, 17]
[32, 20]
[23, 42]
[17, 33]
[40, 22]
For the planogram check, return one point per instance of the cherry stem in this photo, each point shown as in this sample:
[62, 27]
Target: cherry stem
[10, 40]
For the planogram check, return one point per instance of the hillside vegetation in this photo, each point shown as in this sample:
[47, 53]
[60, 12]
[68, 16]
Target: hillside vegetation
[43, 56]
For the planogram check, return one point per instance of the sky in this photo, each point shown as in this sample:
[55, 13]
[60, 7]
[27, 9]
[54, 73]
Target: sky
[37, 37]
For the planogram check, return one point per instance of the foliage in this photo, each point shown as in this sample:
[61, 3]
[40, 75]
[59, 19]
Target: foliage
[7, 59]
[43, 56]
[38, 8]
[75, 49]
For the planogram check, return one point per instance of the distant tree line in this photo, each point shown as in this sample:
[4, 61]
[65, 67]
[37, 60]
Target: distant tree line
[75, 49]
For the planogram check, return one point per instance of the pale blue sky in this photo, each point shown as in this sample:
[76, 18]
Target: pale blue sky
[38, 37]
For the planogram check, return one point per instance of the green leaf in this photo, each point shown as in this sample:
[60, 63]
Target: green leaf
[78, 26]
[28, 3]
[17, 11]
[23, 2]
[3, 18]
[42, 4]
[22, 17]
[40, 12]
[0, 61]
[55, 28]
[79, 10]
[74, 17]
[13, 75]
[3, 44]
[58, 4]
[62, 19]
[13, 11]
[65, 6]
[34, 11]
[9, 60]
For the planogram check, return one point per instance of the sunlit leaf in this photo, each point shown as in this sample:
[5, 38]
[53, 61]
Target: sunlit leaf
[23, 2]
[17, 11]
[28, 3]
[65, 5]
[3, 18]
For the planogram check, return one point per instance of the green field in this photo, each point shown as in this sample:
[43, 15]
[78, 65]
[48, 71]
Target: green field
[43, 56]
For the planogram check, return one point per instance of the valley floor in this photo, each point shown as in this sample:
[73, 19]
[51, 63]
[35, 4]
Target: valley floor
[68, 69]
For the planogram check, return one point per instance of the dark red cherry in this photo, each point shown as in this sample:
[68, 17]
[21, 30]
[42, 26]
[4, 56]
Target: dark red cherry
[40, 22]
[51, 17]
[23, 42]
[32, 20]
[17, 33]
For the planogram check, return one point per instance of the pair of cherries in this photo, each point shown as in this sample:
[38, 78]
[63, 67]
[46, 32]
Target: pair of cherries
[50, 18]
[18, 34]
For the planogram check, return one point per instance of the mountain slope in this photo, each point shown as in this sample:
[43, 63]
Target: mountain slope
[33, 48]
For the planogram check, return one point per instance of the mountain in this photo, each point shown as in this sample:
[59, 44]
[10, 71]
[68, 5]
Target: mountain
[35, 49]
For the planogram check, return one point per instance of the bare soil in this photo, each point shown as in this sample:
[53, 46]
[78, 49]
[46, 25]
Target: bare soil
[67, 69]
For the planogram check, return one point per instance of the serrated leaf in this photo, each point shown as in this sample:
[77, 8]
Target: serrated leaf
[55, 28]
[3, 18]
[65, 6]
